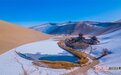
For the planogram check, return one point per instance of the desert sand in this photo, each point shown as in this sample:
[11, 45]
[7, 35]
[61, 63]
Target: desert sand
[12, 36]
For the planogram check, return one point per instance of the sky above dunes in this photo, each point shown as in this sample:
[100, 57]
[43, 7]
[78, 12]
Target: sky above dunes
[34, 12]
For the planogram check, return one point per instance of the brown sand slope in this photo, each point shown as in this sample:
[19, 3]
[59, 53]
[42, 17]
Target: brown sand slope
[12, 36]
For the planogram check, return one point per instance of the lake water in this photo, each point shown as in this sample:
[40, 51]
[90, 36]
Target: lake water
[72, 59]
[68, 58]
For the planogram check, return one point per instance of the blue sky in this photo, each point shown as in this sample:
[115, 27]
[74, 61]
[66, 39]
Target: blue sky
[34, 12]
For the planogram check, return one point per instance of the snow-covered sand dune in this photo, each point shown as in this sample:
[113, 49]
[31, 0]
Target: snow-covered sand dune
[12, 64]
[113, 44]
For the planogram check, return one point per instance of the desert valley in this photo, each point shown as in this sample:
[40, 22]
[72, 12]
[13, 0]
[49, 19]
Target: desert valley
[68, 48]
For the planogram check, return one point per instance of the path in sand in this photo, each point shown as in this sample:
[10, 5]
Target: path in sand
[82, 70]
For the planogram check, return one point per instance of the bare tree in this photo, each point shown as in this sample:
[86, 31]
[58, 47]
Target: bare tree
[104, 53]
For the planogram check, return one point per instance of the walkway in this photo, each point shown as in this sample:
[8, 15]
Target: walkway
[82, 70]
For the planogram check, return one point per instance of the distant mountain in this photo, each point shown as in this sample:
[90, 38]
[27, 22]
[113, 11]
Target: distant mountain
[118, 21]
[74, 28]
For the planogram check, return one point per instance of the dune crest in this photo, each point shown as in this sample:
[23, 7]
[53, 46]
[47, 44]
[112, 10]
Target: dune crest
[12, 36]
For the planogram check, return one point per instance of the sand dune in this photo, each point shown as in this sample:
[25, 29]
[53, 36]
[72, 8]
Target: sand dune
[12, 36]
